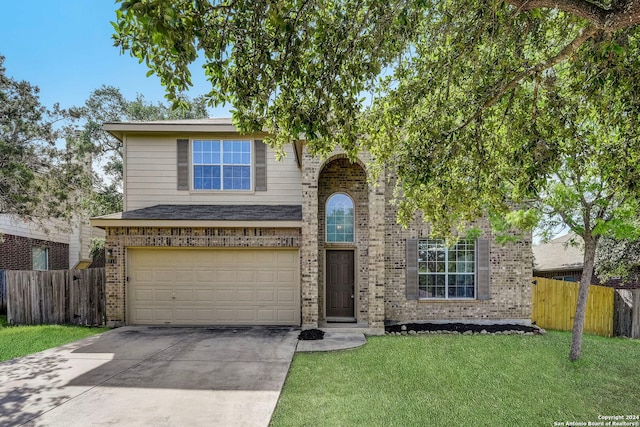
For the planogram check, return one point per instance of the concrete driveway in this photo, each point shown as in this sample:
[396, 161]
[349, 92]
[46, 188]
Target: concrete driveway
[151, 376]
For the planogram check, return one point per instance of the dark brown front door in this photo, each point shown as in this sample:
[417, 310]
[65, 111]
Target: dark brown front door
[340, 284]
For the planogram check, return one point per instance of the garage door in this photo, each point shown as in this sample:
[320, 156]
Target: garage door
[213, 287]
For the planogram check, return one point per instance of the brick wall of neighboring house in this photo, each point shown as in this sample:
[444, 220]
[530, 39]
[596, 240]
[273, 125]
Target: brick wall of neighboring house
[117, 239]
[16, 253]
[510, 280]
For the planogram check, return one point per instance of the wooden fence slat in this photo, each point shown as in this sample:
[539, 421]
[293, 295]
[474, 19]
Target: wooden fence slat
[635, 318]
[3, 292]
[555, 305]
[62, 296]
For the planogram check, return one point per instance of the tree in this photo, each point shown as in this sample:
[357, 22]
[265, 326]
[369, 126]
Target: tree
[107, 104]
[38, 180]
[618, 259]
[524, 109]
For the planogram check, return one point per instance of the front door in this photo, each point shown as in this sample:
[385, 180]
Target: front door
[340, 285]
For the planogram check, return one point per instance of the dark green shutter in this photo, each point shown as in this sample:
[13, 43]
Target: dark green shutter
[260, 167]
[482, 272]
[183, 164]
[412, 268]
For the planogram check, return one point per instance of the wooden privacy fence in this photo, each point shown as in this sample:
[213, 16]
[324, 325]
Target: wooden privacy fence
[626, 319]
[56, 297]
[554, 306]
[3, 293]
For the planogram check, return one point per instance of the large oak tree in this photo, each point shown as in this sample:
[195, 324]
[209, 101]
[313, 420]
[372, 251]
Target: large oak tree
[523, 109]
[39, 179]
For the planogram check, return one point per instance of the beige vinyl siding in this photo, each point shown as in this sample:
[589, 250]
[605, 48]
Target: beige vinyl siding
[50, 230]
[151, 176]
[80, 242]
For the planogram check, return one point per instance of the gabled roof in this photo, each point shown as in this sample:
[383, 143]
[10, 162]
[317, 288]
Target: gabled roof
[559, 254]
[206, 216]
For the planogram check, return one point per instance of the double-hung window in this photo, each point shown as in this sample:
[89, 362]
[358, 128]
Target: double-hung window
[446, 273]
[221, 165]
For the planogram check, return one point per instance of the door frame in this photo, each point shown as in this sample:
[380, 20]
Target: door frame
[356, 300]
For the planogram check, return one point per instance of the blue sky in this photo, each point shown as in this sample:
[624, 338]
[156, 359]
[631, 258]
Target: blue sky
[65, 48]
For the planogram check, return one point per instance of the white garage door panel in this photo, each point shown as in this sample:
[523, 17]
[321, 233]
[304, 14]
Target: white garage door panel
[208, 287]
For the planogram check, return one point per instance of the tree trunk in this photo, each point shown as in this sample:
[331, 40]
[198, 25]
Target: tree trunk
[583, 294]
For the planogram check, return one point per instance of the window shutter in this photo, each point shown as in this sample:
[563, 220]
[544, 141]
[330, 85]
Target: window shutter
[412, 268]
[482, 271]
[183, 164]
[260, 169]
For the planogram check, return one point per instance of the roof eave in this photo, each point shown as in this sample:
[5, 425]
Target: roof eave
[103, 222]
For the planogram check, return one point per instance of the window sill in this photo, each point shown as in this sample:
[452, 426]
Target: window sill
[443, 300]
[221, 191]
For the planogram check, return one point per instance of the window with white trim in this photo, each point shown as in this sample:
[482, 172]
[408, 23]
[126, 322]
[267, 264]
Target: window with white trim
[340, 219]
[221, 165]
[39, 258]
[446, 273]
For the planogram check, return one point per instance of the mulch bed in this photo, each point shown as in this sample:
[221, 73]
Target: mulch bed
[311, 334]
[461, 328]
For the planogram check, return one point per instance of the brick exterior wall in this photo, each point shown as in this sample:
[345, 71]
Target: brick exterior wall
[510, 280]
[16, 253]
[339, 175]
[118, 239]
[321, 178]
[380, 250]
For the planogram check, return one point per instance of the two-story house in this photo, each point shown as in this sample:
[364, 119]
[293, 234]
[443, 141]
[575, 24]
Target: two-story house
[217, 231]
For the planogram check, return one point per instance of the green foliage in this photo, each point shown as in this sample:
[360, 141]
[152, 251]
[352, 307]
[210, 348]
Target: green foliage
[97, 248]
[287, 66]
[618, 258]
[38, 180]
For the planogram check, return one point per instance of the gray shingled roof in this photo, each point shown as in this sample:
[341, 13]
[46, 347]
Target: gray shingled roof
[218, 212]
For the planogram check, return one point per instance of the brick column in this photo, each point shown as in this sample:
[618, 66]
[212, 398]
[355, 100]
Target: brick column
[309, 244]
[115, 279]
[376, 254]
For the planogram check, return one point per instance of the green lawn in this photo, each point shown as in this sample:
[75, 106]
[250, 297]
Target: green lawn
[16, 341]
[448, 380]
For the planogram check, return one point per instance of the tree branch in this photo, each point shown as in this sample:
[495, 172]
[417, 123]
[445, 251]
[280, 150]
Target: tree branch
[585, 35]
[624, 14]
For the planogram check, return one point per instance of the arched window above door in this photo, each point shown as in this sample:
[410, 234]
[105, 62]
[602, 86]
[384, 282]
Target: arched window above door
[340, 219]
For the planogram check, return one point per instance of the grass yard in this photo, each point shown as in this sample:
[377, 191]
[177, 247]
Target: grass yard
[449, 380]
[16, 341]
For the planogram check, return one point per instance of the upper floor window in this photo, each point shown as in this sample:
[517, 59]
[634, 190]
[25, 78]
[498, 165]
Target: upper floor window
[221, 165]
[39, 258]
[340, 219]
[446, 272]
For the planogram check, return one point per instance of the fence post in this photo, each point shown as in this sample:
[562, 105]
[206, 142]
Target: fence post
[635, 322]
[3, 292]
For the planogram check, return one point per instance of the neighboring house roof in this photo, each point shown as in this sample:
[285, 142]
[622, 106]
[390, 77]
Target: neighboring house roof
[219, 212]
[559, 254]
[207, 215]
